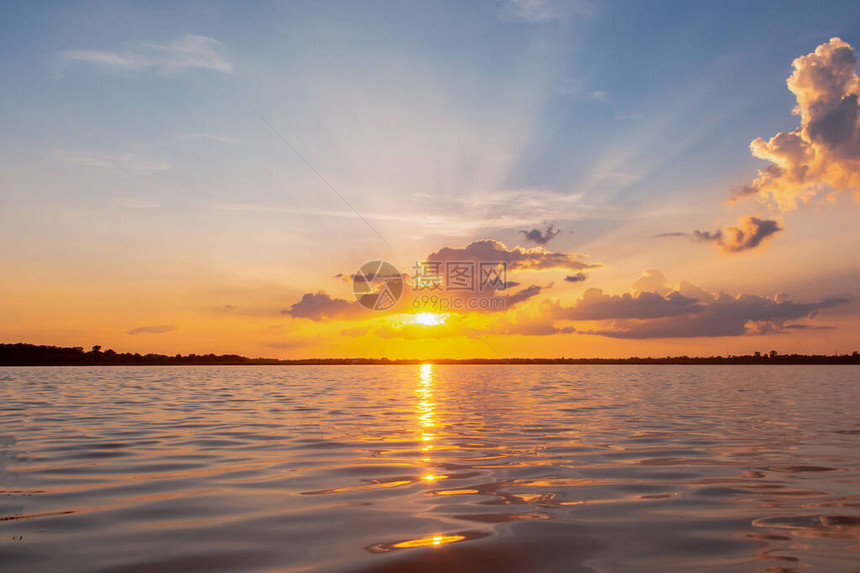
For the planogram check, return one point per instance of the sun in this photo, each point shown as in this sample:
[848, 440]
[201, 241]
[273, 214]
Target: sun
[428, 318]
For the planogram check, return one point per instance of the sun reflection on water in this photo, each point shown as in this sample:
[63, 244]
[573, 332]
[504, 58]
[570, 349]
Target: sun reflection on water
[425, 411]
[435, 540]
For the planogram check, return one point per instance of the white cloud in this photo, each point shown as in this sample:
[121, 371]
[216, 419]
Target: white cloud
[822, 155]
[537, 11]
[136, 202]
[127, 161]
[577, 87]
[216, 137]
[188, 52]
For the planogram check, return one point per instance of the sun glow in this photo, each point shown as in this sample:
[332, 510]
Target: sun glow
[428, 319]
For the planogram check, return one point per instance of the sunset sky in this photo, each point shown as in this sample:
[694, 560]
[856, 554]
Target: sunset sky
[660, 178]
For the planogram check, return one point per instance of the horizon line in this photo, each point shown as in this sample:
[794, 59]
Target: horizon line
[26, 354]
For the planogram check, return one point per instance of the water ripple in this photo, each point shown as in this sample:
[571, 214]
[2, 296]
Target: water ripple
[430, 468]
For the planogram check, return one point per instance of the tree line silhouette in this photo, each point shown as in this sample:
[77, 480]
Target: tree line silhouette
[32, 355]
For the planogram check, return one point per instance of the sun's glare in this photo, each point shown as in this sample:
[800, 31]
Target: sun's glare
[428, 318]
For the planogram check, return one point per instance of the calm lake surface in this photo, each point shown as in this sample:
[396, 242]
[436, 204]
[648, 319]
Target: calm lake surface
[430, 468]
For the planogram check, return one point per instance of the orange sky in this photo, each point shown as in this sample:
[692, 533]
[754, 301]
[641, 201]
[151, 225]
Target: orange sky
[213, 190]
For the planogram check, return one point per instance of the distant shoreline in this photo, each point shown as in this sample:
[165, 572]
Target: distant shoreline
[32, 355]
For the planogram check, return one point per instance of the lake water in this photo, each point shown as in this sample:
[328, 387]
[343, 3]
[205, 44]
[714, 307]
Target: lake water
[430, 468]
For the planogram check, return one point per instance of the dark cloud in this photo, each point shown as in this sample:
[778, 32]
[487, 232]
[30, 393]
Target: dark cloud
[158, 329]
[524, 294]
[748, 234]
[656, 310]
[726, 316]
[594, 305]
[320, 306]
[541, 236]
[577, 278]
[672, 234]
[518, 258]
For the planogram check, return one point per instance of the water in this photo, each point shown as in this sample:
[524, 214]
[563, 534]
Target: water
[430, 468]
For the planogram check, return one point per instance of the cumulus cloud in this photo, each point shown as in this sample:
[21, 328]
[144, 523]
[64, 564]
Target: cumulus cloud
[518, 258]
[748, 234]
[187, 52]
[822, 155]
[157, 329]
[541, 236]
[321, 307]
[652, 280]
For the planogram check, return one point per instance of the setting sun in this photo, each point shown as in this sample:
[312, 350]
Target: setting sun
[429, 319]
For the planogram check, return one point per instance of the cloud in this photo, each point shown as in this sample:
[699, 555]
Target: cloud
[744, 314]
[541, 236]
[475, 296]
[524, 324]
[750, 233]
[187, 52]
[159, 329]
[127, 161]
[577, 87]
[518, 258]
[321, 307]
[594, 305]
[672, 234]
[685, 311]
[451, 325]
[216, 137]
[539, 11]
[576, 278]
[355, 331]
[135, 202]
[524, 294]
[823, 153]
[652, 280]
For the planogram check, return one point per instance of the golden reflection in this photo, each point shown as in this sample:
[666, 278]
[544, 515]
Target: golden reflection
[455, 492]
[425, 411]
[435, 540]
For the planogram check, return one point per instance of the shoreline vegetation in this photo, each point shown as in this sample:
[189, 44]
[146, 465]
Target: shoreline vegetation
[34, 355]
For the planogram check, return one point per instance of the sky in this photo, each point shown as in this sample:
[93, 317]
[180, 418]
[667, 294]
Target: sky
[660, 178]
